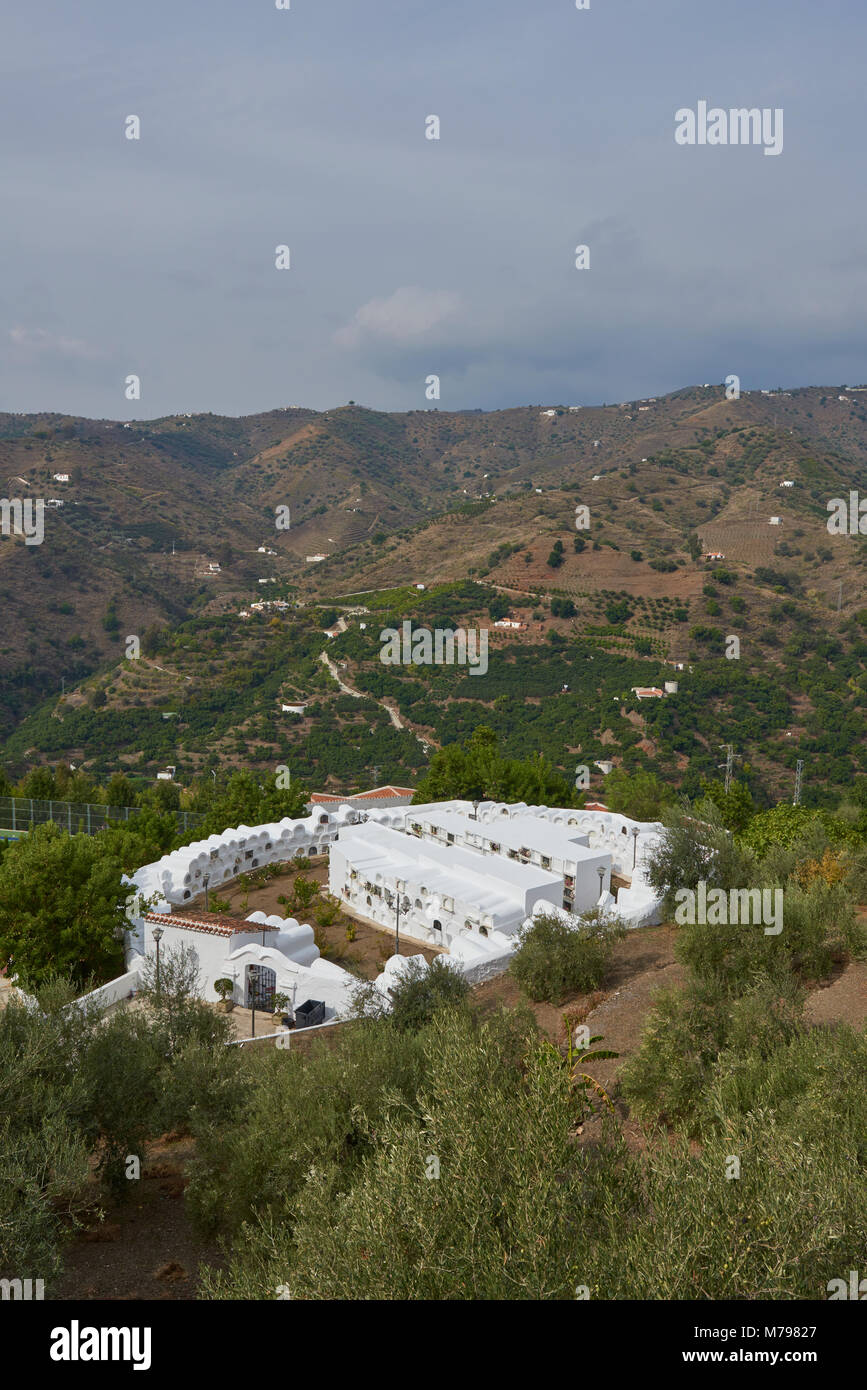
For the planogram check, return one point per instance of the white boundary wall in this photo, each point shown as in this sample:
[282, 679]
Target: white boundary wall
[178, 877]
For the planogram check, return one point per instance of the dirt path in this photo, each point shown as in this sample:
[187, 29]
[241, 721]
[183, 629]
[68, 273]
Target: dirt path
[384, 704]
[844, 1000]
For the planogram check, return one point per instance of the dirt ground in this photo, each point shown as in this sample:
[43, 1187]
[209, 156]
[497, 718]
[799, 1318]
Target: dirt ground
[365, 956]
[844, 1000]
[641, 963]
[145, 1248]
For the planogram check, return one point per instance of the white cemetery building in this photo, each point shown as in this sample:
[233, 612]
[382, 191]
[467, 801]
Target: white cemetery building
[582, 874]
[447, 890]
[468, 876]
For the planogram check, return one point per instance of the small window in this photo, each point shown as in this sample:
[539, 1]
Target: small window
[483, 931]
[437, 925]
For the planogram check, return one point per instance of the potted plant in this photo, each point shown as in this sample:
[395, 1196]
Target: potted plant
[225, 988]
[281, 1004]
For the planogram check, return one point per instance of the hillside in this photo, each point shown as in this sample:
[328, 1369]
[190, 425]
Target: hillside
[441, 499]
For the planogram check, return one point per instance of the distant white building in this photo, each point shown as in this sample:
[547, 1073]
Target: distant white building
[60, 477]
[787, 482]
[775, 521]
[315, 559]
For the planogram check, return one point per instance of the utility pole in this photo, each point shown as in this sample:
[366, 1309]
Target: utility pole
[799, 768]
[728, 765]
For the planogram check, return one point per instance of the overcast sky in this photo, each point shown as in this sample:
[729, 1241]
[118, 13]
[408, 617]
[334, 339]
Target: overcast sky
[409, 256]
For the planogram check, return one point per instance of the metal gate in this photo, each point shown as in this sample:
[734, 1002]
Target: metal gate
[261, 987]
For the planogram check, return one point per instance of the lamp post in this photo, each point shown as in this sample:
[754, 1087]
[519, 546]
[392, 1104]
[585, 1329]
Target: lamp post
[253, 976]
[634, 844]
[397, 900]
[206, 880]
[476, 805]
[601, 872]
[157, 934]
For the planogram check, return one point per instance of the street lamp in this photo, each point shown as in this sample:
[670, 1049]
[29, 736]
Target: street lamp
[157, 935]
[206, 880]
[253, 977]
[476, 805]
[398, 900]
[634, 844]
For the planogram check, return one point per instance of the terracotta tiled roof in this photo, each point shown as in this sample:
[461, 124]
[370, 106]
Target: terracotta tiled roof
[377, 794]
[215, 923]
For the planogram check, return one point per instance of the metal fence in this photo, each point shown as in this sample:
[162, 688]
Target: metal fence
[22, 813]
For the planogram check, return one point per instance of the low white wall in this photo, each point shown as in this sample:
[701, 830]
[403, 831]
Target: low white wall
[114, 991]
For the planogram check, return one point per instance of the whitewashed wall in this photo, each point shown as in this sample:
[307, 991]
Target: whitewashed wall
[177, 878]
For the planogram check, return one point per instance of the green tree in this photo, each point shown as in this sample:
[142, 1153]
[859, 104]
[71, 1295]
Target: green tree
[61, 908]
[641, 795]
[119, 791]
[476, 770]
[554, 958]
[735, 806]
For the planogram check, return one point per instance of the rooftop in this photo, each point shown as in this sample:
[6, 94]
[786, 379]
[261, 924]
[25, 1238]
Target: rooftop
[516, 832]
[214, 923]
[376, 794]
[452, 871]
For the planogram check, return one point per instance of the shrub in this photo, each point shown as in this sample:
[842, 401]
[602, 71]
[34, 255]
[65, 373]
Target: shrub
[417, 996]
[555, 959]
